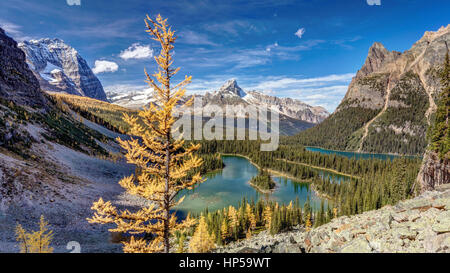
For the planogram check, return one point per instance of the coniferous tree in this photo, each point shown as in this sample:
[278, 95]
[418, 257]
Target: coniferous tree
[163, 161]
[202, 241]
[35, 241]
[440, 138]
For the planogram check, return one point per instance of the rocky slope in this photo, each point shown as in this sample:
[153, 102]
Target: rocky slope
[419, 225]
[60, 68]
[17, 82]
[392, 97]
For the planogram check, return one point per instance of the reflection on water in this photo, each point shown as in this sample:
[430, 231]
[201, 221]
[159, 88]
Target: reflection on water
[230, 185]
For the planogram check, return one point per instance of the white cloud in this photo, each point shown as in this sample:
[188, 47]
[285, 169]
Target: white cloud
[14, 31]
[291, 82]
[136, 51]
[374, 2]
[233, 28]
[194, 38]
[102, 66]
[270, 47]
[300, 32]
[73, 2]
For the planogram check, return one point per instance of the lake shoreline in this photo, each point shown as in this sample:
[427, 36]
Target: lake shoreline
[321, 168]
[359, 153]
[276, 173]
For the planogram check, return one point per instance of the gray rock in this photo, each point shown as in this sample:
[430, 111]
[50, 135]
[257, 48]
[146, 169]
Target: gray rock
[359, 245]
[60, 68]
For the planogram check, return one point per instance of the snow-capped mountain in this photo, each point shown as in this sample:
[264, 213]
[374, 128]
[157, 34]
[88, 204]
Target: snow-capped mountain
[128, 96]
[289, 107]
[60, 68]
[229, 94]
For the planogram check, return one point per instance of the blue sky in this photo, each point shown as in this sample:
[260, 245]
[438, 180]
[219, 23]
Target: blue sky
[307, 50]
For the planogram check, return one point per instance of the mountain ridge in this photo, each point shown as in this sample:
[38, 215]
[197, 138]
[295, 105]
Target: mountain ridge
[231, 94]
[60, 68]
[389, 103]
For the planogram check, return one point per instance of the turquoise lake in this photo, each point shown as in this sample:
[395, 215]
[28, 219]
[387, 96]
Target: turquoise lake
[228, 187]
[352, 154]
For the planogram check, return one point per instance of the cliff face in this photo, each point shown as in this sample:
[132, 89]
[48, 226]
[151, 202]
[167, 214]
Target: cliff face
[389, 103]
[434, 172]
[60, 68]
[17, 82]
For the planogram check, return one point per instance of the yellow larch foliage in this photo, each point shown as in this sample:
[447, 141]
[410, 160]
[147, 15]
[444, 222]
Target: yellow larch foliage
[267, 214]
[251, 217]
[335, 212]
[308, 223]
[35, 241]
[163, 161]
[290, 206]
[201, 241]
[224, 230]
[233, 217]
[248, 234]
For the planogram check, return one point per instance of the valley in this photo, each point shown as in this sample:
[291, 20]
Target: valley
[108, 172]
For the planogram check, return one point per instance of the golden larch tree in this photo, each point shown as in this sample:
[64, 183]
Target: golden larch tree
[267, 215]
[224, 229]
[163, 161]
[233, 217]
[251, 217]
[201, 241]
[308, 223]
[35, 241]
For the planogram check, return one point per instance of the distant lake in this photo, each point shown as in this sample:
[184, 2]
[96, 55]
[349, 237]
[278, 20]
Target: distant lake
[228, 187]
[355, 155]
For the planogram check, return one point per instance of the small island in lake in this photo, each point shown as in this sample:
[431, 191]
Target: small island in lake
[263, 182]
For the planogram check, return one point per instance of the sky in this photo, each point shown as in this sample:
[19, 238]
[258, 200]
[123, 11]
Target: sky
[303, 49]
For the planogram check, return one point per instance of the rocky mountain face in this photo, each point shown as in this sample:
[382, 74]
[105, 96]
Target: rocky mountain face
[389, 103]
[231, 94]
[434, 172]
[59, 68]
[17, 82]
[289, 107]
[419, 225]
[295, 115]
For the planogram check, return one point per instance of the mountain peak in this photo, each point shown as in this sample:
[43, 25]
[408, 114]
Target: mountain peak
[46, 56]
[378, 55]
[231, 86]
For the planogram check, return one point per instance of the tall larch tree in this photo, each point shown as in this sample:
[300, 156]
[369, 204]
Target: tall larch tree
[163, 161]
[202, 241]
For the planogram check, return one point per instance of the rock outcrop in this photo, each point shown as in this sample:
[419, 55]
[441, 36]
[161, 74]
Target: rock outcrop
[59, 68]
[434, 172]
[17, 82]
[419, 225]
[392, 97]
